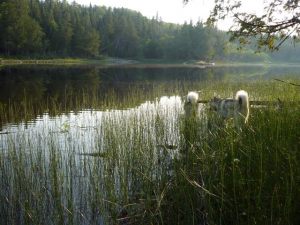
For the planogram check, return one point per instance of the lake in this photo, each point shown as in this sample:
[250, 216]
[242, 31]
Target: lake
[80, 88]
[103, 145]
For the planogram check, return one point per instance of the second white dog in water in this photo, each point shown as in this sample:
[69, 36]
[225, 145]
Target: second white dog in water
[237, 108]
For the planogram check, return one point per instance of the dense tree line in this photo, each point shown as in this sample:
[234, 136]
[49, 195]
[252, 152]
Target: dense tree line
[47, 27]
[56, 28]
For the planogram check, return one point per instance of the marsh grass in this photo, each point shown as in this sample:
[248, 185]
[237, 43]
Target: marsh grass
[152, 165]
[255, 169]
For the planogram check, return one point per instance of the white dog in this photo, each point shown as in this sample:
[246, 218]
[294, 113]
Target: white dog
[237, 108]
[192, 97]
[191, 104]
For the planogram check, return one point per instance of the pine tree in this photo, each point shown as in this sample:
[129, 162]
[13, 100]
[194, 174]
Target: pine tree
[20, 34]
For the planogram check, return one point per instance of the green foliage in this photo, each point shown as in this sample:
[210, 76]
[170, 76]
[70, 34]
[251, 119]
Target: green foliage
[153, 49]
[233, 53]
[126, 173]
[60, 29]
[19, 32]
[269, 29]
[86, 42]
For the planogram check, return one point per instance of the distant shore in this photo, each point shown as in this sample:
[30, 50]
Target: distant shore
[68, 61]
[140, 63]
[107, 62]
[58, 61]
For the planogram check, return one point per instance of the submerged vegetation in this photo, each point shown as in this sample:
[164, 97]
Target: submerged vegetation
[150, 164]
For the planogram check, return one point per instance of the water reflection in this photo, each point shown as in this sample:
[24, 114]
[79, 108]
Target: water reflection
[29, 91]
[97, 134]
[84, 131]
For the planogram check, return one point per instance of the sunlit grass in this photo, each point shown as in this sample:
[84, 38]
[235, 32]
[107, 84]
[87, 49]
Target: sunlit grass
[151, 165]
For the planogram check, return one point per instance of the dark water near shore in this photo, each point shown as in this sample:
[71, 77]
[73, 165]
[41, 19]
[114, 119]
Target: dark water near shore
[78, 99]
[34, 90]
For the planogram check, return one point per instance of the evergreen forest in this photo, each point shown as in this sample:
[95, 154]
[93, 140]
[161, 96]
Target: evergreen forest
[57, 28]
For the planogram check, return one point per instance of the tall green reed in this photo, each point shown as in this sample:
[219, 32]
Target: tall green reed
[152, 165]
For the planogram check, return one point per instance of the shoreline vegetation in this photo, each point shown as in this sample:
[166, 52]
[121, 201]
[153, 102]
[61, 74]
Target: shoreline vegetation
[137, 63]
[53, 34]
[93, 127]
[50, 175]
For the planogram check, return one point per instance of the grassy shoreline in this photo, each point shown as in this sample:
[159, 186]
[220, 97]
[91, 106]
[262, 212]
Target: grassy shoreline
[127, 173]
[102, 61]
[139, 63]
[57, 61]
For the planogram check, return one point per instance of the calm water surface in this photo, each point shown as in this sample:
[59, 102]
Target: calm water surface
[72, 103]
[80, 111]
[52, 97]
[28, 92]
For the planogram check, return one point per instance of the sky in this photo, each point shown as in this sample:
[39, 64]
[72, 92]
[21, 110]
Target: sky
[174, 11]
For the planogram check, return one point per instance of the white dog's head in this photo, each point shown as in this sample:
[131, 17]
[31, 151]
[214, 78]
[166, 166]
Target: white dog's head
[192, 97]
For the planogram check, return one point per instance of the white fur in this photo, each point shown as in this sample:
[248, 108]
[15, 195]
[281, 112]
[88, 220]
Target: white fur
[192, 97]
[191, 104]
[242, 105]
[237, 108]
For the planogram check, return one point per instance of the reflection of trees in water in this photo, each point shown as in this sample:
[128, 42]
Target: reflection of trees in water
[150, 83]
[27, 91]
[39, 84]
[73, 90]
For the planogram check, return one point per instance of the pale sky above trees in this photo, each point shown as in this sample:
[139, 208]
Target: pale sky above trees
[174, 10]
